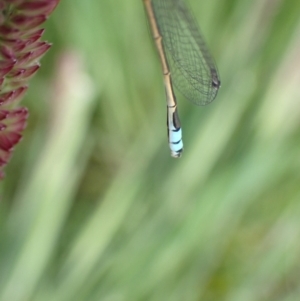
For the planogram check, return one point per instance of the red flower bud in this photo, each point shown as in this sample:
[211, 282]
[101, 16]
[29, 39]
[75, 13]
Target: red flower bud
[11, 98]
[27, 22]
[23, 73]
[20, 50]
[6, 67]
[38, 7]
[9, 139]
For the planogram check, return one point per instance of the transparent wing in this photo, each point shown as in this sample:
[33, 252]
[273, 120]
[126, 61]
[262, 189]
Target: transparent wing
[193, 70]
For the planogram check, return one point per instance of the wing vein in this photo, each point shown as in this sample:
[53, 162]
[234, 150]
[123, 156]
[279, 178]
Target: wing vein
[193, 70]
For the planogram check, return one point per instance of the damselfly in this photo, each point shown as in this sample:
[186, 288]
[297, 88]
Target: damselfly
[185, 61]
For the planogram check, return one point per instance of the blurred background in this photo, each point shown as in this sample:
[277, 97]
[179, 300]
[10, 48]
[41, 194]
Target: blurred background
[94, 208]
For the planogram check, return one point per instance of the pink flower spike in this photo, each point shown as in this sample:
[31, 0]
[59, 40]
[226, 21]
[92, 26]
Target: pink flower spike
[28, 22]
[24, 58]
[31, 70]
[17, 126]
[5, 98]
[39, 50]
[4, 156]
[16, 73]
[12, 97]
[2, 163]
[25, 42]
[17, 116]
[9, 32]
[19, 45]
[16, 120]
[36, 35]
[6, 67]
[16, 2]
[24, 73]
[15, 44]
[31, 42]
[20, 51]
[19, 48]
[38, 7]
[7, 53]
[8, 140]
[11, 41]
[18, 113]
[2, 17]
[3, 114]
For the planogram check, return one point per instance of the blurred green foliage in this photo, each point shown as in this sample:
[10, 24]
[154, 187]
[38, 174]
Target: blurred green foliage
[94, 208]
